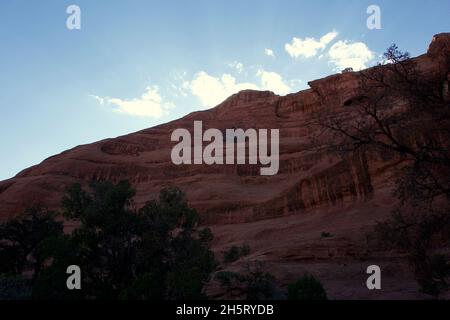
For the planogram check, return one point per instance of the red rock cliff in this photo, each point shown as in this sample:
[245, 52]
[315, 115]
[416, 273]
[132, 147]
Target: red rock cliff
[307, 179]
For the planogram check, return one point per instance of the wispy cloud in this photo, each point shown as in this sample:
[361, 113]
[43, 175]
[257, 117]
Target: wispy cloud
[269, 52]
[149, 104]
[308, 47]
[211, 90]
[238, 66]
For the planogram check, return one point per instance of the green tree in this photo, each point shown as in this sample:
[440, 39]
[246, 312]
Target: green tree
[401, 114]
[155, 252]
[25, 242]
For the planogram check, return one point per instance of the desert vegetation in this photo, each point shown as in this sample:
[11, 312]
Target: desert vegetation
[155, 252]
[403, 113]
[307, 288]
[234, 253]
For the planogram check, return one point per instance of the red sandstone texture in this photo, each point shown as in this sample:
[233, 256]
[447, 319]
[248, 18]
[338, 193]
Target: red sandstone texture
[281, 217]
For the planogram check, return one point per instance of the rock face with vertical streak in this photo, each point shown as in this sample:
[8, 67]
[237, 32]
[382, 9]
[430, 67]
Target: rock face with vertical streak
[313, 191]
[225, 193]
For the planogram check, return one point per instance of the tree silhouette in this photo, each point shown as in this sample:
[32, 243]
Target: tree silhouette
[402, 112]
[155, 252]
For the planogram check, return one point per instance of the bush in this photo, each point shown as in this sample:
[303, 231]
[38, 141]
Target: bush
[254, 284]
[231, 255]
[234, 253]
[417, 235]
[206, 236]
[306, 288]
[14, 288]
[245, 250]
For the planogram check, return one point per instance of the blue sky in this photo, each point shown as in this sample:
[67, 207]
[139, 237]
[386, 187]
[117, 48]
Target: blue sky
[134, 64]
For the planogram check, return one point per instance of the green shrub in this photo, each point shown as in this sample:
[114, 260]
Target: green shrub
[234, 253]
[14, 288]
[306, 288]
[254, 284]
[245, 250]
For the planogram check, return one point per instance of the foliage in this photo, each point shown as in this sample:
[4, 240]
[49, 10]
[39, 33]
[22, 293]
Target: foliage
[25, 241]
[306, 288]
[155, 252]
[416, 233]
[403, 114]
[254, 284]
[14, 288]
[234, 253]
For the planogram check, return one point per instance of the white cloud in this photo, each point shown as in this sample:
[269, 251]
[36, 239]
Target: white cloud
[354, 55]
[239, 67]
[309, 46]
[99, 99]
[273, 81]
[213, 90]
[269, 52]
[326, 39]
[149, 104]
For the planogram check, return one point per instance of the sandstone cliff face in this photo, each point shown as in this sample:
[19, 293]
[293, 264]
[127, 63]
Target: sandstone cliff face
[307, 179]
[281, 217]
